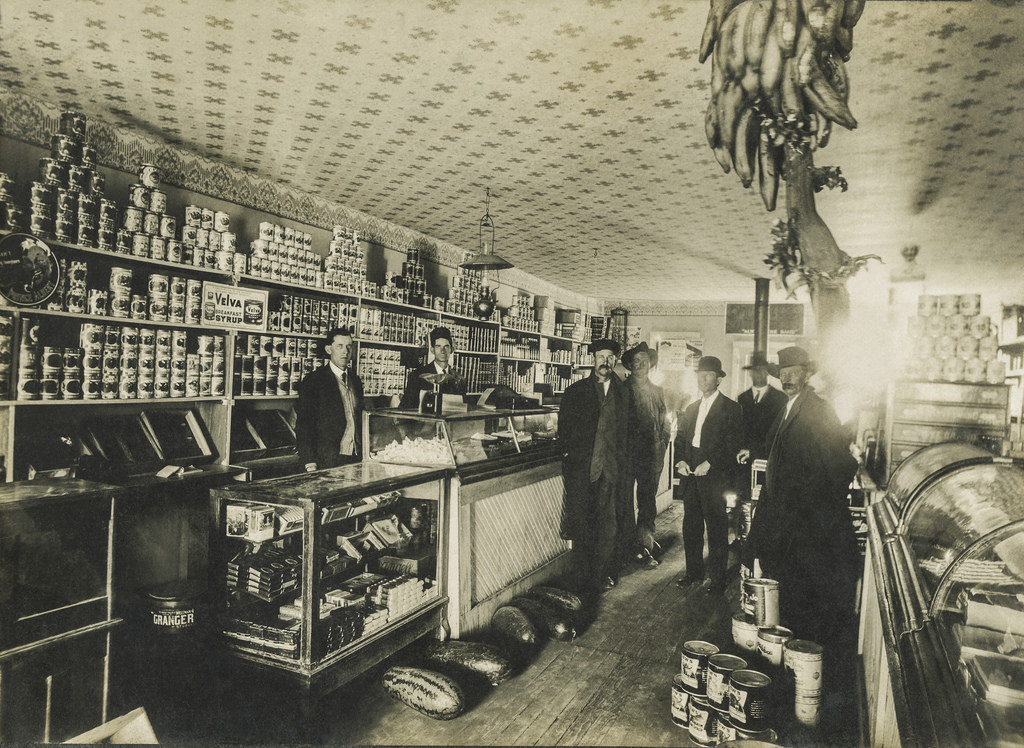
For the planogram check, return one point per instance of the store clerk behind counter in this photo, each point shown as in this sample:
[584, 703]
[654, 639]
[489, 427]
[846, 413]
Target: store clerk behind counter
[453, 384]
[328, 413]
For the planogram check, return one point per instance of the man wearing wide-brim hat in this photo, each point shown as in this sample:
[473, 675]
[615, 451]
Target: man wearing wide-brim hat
[761, 404]
[801, 534]
[709, 437]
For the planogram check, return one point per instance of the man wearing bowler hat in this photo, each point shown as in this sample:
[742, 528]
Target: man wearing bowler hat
[760, 404]
[801, 534]
[451, 380]
[709, 436]
[591, 435]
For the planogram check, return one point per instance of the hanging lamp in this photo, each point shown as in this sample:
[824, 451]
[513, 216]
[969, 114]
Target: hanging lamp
[484, 258]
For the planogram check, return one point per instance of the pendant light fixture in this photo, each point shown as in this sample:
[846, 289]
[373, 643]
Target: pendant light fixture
[485, 260]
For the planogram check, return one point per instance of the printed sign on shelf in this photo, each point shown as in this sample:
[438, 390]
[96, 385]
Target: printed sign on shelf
[231, 306]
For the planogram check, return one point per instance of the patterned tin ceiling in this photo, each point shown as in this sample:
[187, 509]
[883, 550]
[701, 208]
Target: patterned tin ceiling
[583, 117]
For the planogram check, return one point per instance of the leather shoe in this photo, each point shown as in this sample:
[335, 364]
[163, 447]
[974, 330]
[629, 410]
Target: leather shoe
[687, 581]
[609, 584]
[715, 588]
[645, 559]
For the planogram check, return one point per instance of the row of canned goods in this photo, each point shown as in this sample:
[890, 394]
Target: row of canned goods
[119, 362]
[382, 371]
[253, 344]
[117, 384]
[291, 237]
[269, 375]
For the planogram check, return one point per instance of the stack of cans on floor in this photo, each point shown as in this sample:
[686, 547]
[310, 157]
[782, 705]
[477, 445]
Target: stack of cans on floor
[717, 698]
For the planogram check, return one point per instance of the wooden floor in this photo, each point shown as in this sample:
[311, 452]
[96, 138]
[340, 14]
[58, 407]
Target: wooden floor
[609, 686]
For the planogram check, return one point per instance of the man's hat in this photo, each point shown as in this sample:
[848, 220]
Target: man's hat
[710, 363]
[627, 357]
[438, 333]
[793, 356]
[604, 344]
[757, 360]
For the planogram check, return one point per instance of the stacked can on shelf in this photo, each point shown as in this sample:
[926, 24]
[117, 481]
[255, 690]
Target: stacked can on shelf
[65, 203]
[281, 253]
[345, 264]
[90, 340]
[12, 216]
[6, 354]
[949, 340]
[28, 360]
[208, 241]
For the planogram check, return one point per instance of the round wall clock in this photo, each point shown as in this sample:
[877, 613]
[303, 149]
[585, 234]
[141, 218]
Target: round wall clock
[29, 271]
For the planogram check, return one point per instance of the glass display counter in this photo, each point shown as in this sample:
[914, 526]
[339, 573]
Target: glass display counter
[506, 491]
[464, 440]
[324, 574]
[944, 587]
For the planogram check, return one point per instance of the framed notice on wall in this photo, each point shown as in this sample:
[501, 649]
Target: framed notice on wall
[783, 319]
[231, 306]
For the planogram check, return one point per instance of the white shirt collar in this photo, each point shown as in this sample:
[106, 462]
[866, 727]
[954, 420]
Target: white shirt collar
[337, 372]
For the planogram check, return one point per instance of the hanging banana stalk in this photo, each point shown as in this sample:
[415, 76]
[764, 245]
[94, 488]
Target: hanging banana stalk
[778, 84]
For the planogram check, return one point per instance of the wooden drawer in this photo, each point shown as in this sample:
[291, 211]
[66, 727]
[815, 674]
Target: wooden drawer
[945, 413]
[899, 452]
[927, 433]
[995, 396]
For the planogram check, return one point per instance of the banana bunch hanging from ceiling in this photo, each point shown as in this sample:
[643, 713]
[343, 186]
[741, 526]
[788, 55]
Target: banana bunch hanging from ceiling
[777, 77]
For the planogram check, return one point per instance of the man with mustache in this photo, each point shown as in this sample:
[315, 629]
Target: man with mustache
[710, 435]
[801, 534]
[591, 434]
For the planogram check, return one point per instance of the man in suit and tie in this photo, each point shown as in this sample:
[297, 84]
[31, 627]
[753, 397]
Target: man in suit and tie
[801, 534]
[592, 422]
[328, 413]
[453, 383]
[708, 439]
[760, 404]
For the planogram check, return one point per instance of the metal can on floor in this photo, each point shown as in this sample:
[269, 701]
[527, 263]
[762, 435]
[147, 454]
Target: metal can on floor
[749, 699]
[680, 696]
[703, 722]
[761, 600]
[720, 667]
[694, 665]
[771, 641]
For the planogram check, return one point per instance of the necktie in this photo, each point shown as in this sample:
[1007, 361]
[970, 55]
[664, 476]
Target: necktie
[757, 397]
[344, 377]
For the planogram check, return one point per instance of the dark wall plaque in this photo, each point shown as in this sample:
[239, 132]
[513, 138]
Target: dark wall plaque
[783, 319]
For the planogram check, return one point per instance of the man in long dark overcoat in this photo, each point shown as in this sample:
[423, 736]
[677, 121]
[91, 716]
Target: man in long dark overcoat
[592, 423]
[801, 534]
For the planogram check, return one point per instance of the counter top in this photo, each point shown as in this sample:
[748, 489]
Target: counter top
[54, 489]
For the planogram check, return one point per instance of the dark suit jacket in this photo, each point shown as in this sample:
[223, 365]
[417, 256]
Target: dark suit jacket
[802, 519]
[758, 418]
[416, 384]
[721, 438]
[578, 417]
[320, 417]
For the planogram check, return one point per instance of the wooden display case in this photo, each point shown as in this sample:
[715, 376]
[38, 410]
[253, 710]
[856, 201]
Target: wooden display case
[922, 413]
[56, 607]
[321, 575]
